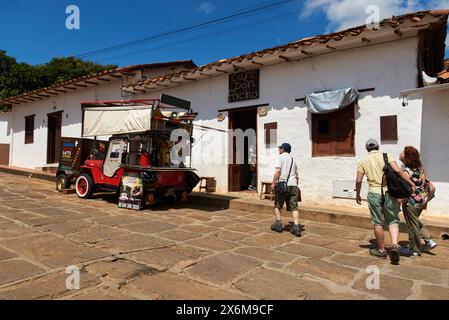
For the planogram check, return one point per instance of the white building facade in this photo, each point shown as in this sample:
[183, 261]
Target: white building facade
[264, 91]
[380, 63]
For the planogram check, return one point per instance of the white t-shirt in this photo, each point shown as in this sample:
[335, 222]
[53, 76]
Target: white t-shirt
[283, 162]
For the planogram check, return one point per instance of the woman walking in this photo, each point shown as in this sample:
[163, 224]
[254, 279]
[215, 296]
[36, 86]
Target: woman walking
[414, 206]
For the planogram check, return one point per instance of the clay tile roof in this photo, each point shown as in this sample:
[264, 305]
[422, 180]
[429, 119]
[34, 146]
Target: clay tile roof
[43, 92]
[394, 22]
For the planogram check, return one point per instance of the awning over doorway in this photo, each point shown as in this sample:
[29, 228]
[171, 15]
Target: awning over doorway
[330, 101]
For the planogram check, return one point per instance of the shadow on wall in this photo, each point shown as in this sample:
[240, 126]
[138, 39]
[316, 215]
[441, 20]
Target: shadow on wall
[434, 135]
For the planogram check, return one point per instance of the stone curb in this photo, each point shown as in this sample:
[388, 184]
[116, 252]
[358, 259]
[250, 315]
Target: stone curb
[306, 213]
[29, 174]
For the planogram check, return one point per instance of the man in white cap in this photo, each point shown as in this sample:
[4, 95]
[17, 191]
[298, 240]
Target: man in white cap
[384, 210]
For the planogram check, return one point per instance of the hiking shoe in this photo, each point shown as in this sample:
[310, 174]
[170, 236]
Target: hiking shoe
[394, 255]
[277, 227]
[296, 231]
[430, 245]
[407, 252]
[378, 253]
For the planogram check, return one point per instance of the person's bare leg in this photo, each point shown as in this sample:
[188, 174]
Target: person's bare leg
[296, 217]
[380, 237]
[394, 234]
[277, 213]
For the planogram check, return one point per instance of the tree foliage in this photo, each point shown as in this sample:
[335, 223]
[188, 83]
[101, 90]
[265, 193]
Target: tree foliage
[17, 78]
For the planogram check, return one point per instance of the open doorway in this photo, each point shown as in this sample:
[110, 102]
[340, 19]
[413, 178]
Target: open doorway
[54, 138]
[242, 175]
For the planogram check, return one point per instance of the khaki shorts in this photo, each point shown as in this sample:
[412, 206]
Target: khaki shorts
[290, 197]
[383, 212]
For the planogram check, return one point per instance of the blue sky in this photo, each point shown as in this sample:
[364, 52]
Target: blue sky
[34, 31]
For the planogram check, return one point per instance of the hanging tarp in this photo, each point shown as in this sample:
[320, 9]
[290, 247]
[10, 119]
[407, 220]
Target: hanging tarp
[104, 121]
[331, 101]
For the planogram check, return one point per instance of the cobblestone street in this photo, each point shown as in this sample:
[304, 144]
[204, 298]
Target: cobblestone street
[189, 252]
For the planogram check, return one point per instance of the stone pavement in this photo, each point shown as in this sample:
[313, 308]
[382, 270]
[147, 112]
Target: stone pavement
[189, 252]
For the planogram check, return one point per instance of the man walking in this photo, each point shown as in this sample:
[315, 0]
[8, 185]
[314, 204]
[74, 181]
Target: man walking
[384, 210]
[285, 183]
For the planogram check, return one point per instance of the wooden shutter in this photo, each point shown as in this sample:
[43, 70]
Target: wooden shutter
[389, 128]
[333, 133]
[323, 134]
[29, 129]
[345, 132]
[271, 133]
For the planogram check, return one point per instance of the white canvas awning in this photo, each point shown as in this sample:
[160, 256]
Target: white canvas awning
[331, 101]
[104, 121]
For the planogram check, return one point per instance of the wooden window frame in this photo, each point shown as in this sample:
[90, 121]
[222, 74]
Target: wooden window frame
[389, 128]
[29, 134]
[340, 140]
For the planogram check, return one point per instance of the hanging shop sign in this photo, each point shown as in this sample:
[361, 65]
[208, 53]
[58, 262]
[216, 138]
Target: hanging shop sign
[131, 192]
[244, 86]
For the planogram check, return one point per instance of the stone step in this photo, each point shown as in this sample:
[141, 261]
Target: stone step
[339, 217]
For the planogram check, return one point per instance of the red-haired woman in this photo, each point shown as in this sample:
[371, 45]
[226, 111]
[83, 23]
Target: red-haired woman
[414, 206]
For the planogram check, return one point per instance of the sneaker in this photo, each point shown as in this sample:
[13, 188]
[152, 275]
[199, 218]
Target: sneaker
[377, 253]
[251, 188]
[296, 231]
[430, 245]
[394, 255]
[277, 227]
[407, 252]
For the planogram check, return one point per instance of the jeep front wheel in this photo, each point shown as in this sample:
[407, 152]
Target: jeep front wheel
[84, 186]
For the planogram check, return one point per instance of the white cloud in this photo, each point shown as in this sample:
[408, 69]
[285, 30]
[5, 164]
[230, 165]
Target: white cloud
[447, 41]
[206, 7]
[351, 13]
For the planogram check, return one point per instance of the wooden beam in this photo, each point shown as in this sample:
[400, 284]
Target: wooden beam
[366, 40]
[359, 90]
[59, 90]
[399, 33]
[104, 79]
[305, 52]
[257, 63]
[222, 71]
[115, 76]
[91, 82]
[285, 58]
[70, 88]
[80, 85]
[330, 47]
[190, 79]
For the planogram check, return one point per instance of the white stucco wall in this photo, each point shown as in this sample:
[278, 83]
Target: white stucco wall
[35, 155]
[5, 129]
[389, 68]
[435, 147]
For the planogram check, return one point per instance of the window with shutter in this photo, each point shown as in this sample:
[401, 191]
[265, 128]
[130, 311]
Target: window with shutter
[271, 133]
[29, 129]
[333, 133]
[389, 128]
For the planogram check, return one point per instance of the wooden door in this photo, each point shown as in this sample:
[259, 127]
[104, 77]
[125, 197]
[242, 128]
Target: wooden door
[54, 141]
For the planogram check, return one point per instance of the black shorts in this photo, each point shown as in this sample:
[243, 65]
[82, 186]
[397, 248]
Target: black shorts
[290, 197]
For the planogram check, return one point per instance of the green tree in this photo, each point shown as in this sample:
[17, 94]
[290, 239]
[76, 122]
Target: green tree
[17, 78]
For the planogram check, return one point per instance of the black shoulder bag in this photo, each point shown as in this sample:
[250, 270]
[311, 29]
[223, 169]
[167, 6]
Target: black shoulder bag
[397, 187]
[281, 186]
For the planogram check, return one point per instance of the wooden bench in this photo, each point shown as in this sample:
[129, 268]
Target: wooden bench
[266, 191]
[207, 184]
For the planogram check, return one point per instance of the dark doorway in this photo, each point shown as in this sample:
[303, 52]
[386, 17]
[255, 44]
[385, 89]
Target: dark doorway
[240, 172]
[54, 139]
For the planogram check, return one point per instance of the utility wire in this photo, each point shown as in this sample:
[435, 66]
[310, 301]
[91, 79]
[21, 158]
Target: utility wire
[239, 14]
[261, 21]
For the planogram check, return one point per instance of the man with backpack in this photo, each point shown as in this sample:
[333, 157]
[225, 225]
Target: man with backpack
[285, 184]
[383, 202]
